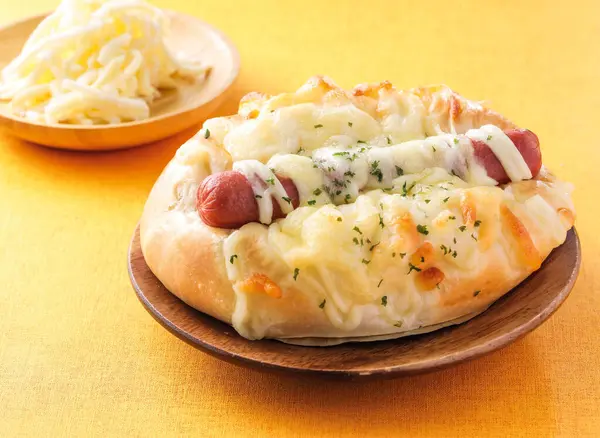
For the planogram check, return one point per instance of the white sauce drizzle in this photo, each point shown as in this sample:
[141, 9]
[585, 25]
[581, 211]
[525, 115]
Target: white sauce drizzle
[507, 153]
[264, 185]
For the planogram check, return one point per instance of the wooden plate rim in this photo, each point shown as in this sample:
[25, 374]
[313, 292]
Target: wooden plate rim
[424, 366]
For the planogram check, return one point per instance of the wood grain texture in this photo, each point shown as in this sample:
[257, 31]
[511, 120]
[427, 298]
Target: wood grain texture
[511, 317]
[175, 111]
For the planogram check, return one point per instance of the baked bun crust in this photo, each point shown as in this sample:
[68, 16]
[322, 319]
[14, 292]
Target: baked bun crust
[389, 263]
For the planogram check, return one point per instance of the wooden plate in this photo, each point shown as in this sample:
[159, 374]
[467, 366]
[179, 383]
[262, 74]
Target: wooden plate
[174, 112]
[512, 316]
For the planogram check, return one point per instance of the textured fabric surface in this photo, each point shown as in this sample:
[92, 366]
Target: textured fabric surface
[79, 356]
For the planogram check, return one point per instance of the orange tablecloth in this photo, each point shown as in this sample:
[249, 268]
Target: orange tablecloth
[79, 356]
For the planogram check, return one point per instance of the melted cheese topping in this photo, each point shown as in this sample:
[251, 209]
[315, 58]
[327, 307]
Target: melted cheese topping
[409, 232]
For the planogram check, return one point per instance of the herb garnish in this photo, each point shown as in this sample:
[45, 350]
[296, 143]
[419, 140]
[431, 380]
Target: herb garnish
[383, 298]
[376, 171]
[412, 268]
[296, 272]
[318, 126]
[399, 171]
[357, 230]
[312, 202]
[366, 262]
[317, 192]
[446, 199]
[322, 305]
[477, 223]
[476, 293]
[232, 258]
[422, 229]
[207, 133]
[271, 180]
[286, 199]
[462, 228]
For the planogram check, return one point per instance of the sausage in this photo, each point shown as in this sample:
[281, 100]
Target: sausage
[527, 144]
[226, 200]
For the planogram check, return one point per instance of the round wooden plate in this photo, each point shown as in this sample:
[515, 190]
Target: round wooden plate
[512, 316]
[173, 112]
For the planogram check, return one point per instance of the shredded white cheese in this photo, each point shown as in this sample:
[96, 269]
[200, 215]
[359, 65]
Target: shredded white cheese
[94, 62]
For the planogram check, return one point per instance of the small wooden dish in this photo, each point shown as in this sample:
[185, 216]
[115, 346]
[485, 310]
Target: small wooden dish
[511, 317]
[172, 113]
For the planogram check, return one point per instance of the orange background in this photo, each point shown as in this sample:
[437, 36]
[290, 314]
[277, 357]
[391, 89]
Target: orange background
[79, 355]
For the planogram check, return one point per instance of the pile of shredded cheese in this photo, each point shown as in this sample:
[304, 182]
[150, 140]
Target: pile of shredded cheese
[95, 62]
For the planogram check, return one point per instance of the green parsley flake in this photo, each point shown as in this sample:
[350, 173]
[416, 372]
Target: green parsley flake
[355, 240]
[402, 255]
[317, 192]
[207, 133]
[350, 124]
[318, 126]
[434, 149]
[357, 230]
[366, 262]
[383, 298]
[398, 324]
[271, 181]
[477, 223]
[454, 240]
[381, 224]
[286, 199]
[389, 140]
[474, 238]
[232, 258]
[296, 272]
[454, 254]
[489, 137]
[376, 171]
[258, 196]
[456, 141]
[476, 293]
[446, 199]
[339, 219]
[374, 246]
[341, 154]
[312, 202]
[427, 201]
[422, 229]
[322, 305]
[452, 218]
[462, 228]
[399, 171]
[300, 151]
[393, 254]
[412, 268]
